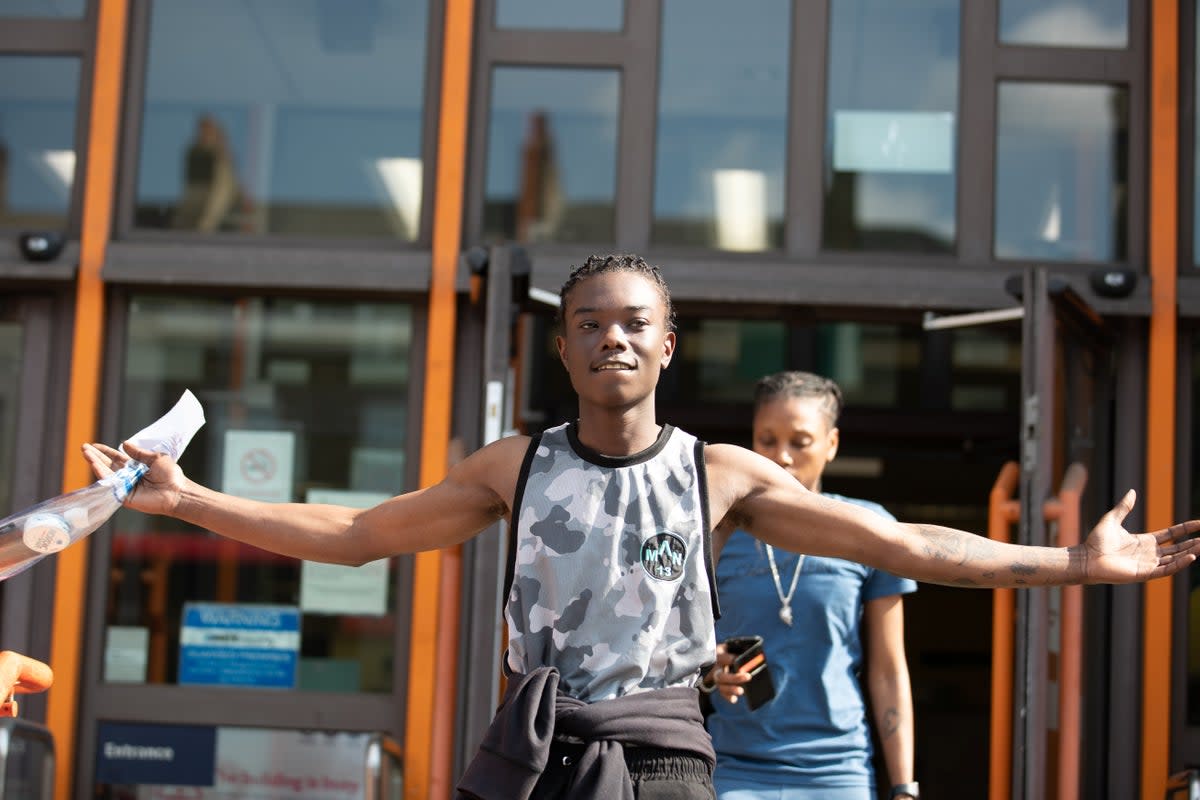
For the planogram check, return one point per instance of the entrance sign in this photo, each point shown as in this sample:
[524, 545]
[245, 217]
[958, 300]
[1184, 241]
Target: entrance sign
[182, 755]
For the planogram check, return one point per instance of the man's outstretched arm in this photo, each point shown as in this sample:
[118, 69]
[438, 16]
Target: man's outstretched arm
[475, 493]
[749, 492]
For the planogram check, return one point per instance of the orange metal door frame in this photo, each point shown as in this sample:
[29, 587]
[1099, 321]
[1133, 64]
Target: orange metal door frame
[1003, 513]
[433, 655]
[1160, 399]
[83, 400]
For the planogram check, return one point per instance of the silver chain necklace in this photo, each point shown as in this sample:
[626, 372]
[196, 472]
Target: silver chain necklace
[785, 600]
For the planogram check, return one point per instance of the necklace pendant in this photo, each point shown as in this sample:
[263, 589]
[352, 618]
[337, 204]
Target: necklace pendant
[785, 614]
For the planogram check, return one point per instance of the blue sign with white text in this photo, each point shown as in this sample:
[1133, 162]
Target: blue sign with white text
[178, 755]
[239, 645]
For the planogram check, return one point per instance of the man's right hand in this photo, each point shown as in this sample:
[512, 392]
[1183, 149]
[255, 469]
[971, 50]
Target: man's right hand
[158, 491]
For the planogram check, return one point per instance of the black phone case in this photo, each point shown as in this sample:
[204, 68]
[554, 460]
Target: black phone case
[761, 687]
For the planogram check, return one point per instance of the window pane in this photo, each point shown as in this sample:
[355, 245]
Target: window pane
[1061, 172]
[38, 97]
[985, 368]
[552, 155]
[42, 8]
[722, 124]
[306, 401]
[307, 123]
[10, 366]
[877, 365]
[891, 125]
[720, 360]
[1065, 23]
[591, 15]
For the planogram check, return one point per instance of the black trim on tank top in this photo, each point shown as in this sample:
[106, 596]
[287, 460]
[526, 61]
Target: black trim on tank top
[510, 569]
[612, 462]
[702, 485]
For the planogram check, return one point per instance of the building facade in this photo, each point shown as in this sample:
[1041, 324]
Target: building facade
[342, 225]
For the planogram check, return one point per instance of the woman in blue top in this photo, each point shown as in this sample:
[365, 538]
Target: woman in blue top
[816, 615]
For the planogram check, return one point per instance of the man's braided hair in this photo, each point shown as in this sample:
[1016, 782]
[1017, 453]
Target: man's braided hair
[617, 262]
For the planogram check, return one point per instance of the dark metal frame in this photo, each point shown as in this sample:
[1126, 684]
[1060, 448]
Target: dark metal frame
[55, 37]
[970, 278]
[1185, 737]
[25, 613]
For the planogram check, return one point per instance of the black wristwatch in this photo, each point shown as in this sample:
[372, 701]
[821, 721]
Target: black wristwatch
[912, 789]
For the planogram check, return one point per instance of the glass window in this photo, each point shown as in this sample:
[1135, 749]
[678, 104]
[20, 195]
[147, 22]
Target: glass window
[722, 124]
[1062, 172]
[1065, 23]
[720, 360]
[891, 125]
[38, 96]
[11, 343]
[877, 365]
[305, 401]
[551, 155]
[588, 15]
[42, 8]
[284, 118]
[985, 368]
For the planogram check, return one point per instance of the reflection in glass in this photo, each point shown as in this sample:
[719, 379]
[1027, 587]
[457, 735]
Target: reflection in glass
[306, 401]
[891, 126]
[1065, 23]
[877, 365]
[1061, 172]
[42, 8]
[985, 368]
[11, 343]
[722, 124]
[720, 360]
[551, 155]
[38, 96]
[574, 15]
[284, 118]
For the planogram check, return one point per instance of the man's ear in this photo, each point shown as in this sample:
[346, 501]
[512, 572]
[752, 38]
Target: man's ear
[834, 439]
[561, 343]
[668, 349]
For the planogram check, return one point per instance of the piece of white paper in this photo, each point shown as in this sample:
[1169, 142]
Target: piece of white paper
[338, 589]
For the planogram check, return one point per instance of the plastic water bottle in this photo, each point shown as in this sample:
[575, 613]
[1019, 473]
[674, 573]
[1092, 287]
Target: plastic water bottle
[52, 525]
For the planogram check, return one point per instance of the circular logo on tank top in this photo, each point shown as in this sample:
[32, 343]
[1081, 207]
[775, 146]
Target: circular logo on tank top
[663, 555]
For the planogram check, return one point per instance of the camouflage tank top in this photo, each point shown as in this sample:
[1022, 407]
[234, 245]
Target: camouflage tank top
[610, 566]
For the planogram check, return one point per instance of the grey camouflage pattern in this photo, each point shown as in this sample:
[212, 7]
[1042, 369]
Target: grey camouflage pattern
[581, 599]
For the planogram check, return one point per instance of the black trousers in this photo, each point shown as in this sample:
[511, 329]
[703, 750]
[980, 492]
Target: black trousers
[656, 774]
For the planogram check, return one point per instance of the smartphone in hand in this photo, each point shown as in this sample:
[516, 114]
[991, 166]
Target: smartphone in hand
[750, 657]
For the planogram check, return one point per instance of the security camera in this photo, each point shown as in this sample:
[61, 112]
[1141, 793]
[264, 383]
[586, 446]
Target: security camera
[1113, 282]
[41, 245]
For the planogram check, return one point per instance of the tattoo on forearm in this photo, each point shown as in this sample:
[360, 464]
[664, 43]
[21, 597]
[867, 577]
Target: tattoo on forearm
[889, 724]
[965, 549]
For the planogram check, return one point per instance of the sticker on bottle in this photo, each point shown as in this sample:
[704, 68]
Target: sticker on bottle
[46, 533]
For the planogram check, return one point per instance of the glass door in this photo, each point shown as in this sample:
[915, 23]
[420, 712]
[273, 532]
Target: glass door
[29, 448]
[1066, 459]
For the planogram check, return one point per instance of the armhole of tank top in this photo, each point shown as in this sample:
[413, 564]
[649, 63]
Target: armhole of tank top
[510, 568]
[702, 483]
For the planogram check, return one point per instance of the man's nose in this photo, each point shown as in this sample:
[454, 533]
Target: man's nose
[783, 456]
[614, 337]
